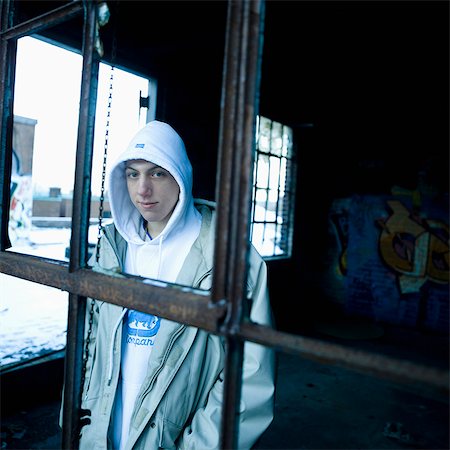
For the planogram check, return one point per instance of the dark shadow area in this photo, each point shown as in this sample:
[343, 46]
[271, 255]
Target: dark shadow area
[316, 407]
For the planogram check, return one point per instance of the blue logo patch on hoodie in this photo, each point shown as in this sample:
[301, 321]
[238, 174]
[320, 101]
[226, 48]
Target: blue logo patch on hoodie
[141, 328]
[139, 146]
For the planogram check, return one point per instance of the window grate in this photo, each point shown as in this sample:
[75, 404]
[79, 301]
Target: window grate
[273, 189]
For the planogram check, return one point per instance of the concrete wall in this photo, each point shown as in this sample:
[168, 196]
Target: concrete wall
[23, 142]
[62, 207]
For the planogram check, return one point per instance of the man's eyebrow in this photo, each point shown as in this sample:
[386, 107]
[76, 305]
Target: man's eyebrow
[129, 166]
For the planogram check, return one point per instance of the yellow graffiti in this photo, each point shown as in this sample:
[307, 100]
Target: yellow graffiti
[413, 248]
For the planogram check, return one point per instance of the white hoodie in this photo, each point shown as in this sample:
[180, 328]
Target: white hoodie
[160, 258]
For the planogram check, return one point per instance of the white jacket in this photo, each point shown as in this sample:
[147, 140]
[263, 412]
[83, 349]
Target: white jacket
[179, 390]
[179, 407]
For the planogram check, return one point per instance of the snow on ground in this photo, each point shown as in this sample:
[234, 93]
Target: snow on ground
[33, 317]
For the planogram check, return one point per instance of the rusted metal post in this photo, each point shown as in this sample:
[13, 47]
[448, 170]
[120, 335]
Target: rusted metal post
[49, 19]
[72, 372]
[80, 225]
[236, 146]
[85, 143]
[7, 75]
[177, 303]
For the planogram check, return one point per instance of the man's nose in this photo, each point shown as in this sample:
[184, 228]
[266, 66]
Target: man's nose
[144, 186]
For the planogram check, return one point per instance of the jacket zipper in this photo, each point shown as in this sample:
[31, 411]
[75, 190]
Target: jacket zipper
[174, 337]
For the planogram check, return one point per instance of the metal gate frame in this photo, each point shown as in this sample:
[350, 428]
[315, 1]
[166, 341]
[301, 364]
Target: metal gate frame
[219, 311]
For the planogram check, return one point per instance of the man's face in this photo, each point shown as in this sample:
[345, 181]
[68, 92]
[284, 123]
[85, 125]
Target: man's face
[153, 191]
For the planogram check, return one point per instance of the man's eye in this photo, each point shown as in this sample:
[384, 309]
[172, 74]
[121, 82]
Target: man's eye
[158, 174]
[132, 175]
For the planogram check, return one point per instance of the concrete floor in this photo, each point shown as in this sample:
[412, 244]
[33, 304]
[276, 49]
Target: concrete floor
[317, 407]
[325, 407]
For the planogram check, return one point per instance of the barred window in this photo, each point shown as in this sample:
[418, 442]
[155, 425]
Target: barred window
[273, 189]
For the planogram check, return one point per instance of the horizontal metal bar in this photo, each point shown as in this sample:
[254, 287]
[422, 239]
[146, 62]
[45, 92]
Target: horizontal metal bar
[193, 307]
[179, 303]
[43, 21]
[382, 366]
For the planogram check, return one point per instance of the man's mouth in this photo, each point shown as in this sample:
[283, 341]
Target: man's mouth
[147, 205]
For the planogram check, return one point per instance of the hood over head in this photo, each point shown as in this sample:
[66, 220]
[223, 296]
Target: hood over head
[159, 144]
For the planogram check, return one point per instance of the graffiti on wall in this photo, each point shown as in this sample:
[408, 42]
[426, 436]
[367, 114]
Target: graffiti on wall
[21, 192]
[415, 248]
[20, 208]
[393, 260]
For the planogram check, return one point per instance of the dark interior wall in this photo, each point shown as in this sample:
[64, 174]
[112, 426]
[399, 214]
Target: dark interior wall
[372, 80]
[181, 44]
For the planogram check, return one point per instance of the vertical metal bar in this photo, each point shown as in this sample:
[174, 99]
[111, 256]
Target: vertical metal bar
[72, 365]
[223, 252]
[236, 147]
[80, 224]
[255, 170]
[85, 142]
[277, 240]
[255, 190]
[6, 17]
[267, 189]
[290, 190]
[224, 168]
[7, 75]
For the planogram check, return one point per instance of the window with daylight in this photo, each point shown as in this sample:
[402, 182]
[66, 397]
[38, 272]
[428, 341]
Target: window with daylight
[46, 110]
[273, 189]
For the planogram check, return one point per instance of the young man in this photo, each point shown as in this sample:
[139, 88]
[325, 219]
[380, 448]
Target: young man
[152, 383]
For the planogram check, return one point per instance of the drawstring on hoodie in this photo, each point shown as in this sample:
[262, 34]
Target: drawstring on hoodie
[160, 243]
[159, 255]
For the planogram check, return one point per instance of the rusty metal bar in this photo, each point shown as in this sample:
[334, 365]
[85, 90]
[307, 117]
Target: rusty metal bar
[72, 372]
[6, 15]
[236, 145]
[224, 250]
[85, 143]
[46, 20]
[80, 225]
[374, 364]
[7, 76]
[224, 167]
[192, 307]
[180, 303]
